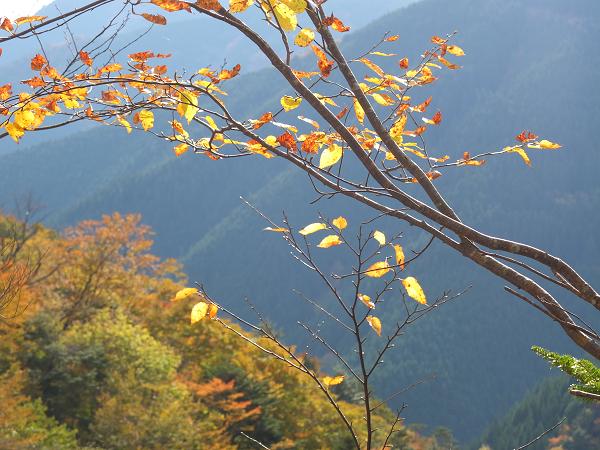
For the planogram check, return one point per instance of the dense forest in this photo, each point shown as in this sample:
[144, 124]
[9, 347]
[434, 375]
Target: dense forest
[99, 356]
[94, 336]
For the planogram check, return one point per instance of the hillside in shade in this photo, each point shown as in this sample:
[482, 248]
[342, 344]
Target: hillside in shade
[530, 64]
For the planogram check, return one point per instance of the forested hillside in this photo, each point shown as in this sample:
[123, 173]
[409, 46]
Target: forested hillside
[529, 63]
[98, 355]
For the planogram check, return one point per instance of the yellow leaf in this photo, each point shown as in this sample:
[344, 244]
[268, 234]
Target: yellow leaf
[366, 300]
[521, 153]
[374, 67]
[397, 129]
[340, 223]
[297, 6]
[455, 50]
[414, 290]
[312, 228]
[332, 381]
[359, 111]
[399, 256]
[236, 6]
[330, 241]
[304, 37]
[198, 312]
[15, 131]
[286, 17]
[290, 103]
[330, 156]
[276, 230]
[24, 119]
[379, 237]
[146, 118]
[375, 323]
[188, 105]
[545, 144]
[378, 269]
[124, 123]
[212, 311]
[383, 100]
[184, 293]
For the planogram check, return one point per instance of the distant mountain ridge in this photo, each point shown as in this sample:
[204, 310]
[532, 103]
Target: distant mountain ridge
[529, 64]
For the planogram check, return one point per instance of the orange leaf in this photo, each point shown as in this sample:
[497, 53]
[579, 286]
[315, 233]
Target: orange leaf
[525, 136]
[37, 62]
[213, 5]
[172, 5]
[227, 74]
[6, 25]
[265, 118]
[85, 58]
[287, 140]
[336, 24]
[403, 63]
[325, 65]
[141, 56]
[29, 19]
[155, 18]
[181, 149]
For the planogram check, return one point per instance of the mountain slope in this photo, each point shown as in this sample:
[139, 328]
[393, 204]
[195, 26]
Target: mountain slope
[529, 64]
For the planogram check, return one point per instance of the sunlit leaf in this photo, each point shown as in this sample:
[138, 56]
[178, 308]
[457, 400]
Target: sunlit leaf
[236, 6]
[455, 50]
[375, 323]
[85, 58]
[290, 103]
[199, 312]
[181, 149]
[366, 300]
[336, 24]
[184, 293]
[330, 241]
[399, 256]
[379, 237]
[340, 223]
[212, 311]
[545, 144]
[304, 37]
[155, 18]
[414, 290]
[330, 156]
[172, 5]
[325, 65]
[312, 228]
[286, 17]
[145, 118]
[332, 381]
[520, 152]
[124, 124]
[276, 230]
[378, 269]
[29, 19]
[359, 111]
[287, 140]
[212, 5]
[37, 62]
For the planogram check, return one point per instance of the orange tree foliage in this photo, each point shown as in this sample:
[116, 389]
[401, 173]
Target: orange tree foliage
[357, 112]
[125, 369]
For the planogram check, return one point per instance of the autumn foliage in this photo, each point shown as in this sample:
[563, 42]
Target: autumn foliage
[103, 356]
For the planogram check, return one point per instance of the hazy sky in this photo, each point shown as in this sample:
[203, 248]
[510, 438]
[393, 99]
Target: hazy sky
[18, 8]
